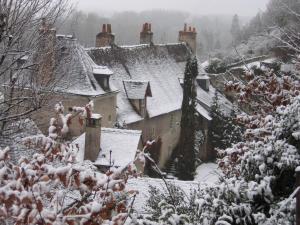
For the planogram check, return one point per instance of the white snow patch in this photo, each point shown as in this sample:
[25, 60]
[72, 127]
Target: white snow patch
[207, 172]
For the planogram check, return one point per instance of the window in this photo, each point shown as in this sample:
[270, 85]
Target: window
[109, 118]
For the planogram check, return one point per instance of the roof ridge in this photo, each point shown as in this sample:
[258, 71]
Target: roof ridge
[115, 130]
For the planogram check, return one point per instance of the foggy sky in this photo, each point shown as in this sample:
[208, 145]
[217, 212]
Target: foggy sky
[202, 7]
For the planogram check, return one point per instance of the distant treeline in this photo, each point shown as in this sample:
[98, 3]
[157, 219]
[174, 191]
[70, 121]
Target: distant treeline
[214, 32]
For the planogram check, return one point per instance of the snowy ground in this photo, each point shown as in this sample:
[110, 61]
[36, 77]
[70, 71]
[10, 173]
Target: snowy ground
[208, 173]
[142, 186]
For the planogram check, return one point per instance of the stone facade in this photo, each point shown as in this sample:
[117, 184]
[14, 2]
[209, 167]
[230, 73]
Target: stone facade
[106, 37]
[45, 57]
[166, 127]
[146, 35]
[189, 36]
[92, 140]
[103, 105]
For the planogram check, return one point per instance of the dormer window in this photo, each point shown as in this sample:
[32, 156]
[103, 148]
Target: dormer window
[203, 82]
[102, 75]
[137, 93]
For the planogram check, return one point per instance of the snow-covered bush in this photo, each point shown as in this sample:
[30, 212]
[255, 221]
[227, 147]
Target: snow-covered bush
[216, 66]
[52, 188]
[259, 172]
[224, 129]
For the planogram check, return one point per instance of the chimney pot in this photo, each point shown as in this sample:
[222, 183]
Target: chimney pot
[143, 29]
[105, 38]
[189, 36]
[146, 36]
[104, 28]
[92, 137]
[185, 27]
[109, 28]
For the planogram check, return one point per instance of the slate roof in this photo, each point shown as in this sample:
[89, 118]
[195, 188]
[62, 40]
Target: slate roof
[122, 143]
[75, 69]
[137, 89]
[205, 99]
[161, 65]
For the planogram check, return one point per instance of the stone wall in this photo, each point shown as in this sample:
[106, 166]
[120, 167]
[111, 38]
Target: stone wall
[167, 127]
[189, 36]
[104, 105]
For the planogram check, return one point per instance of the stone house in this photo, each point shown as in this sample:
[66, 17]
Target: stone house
[77, 80]
[137, 87]
[149, 78]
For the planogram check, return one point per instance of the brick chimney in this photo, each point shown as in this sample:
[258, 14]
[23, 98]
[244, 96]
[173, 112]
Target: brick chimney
[189, 36]
[92, 137]
[45, 55]
[146, 35]
[105, 37]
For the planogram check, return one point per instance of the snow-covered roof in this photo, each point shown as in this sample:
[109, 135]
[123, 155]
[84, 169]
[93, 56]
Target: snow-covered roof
[203, 112]
[137, 89]
[202, 77]
[161, 65]
[102, 70]
[205, 99]
[123, 145]
[75, 69]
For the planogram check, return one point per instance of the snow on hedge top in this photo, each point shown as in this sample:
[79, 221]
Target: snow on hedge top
[142, 186]
[123, 145]
[208, 172]
[161, 65]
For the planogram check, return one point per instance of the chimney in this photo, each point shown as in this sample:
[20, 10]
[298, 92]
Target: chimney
[109, 28]
[45, 55]
[106, 37]
[189, 36]
[92, 137]
[146, 35]
[104, 28]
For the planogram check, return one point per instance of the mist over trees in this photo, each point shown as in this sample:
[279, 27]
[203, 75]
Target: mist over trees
[165, 25]
[280, 14]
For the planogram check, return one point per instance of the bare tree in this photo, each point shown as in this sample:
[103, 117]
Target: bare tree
[25, 29]
[285, 17]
